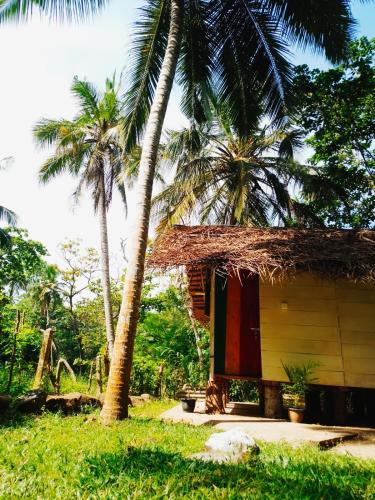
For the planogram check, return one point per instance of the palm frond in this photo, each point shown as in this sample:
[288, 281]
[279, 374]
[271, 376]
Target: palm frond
[326, 26]
[8, 216]
[64, 10]
[87, 96]
[252, 61]
[196, 62]
[68, 159]
[149, 44]
[48, 132]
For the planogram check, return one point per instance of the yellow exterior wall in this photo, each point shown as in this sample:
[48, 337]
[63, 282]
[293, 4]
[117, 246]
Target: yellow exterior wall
[331, 323]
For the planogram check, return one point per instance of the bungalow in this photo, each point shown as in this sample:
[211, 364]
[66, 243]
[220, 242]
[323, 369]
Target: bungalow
[274, 297]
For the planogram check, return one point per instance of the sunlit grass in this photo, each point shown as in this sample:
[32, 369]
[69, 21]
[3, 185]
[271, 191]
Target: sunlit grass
[75, 457]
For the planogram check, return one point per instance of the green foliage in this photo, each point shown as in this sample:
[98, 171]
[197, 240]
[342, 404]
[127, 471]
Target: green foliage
[240, 390]
[299, 377]
[21, 261]
[336, 110]
[146, 458]
[165, 338]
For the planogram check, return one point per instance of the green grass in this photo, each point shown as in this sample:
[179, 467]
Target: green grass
[75, 457]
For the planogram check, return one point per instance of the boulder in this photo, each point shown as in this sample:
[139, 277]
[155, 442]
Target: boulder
[5, 401]
[231, 446]
[71, 403]
[147, 397]
[32, 402]
[140, 400]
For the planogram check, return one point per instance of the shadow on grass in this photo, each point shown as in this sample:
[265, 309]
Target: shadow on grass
[155, 473]
[14, 420]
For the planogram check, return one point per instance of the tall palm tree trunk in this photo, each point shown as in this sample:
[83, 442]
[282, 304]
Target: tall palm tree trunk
[106, 278]
[116, 399]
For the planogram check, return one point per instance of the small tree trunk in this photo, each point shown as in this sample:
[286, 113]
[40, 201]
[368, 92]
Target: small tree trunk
[99, 384]
[106, 363]
[43, 358]
[196, 336]
[159, 385]
[117, 395]
[14, 349]
[106, 277]
[91, 375]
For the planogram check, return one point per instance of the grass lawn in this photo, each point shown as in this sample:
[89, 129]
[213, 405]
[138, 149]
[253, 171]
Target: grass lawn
[74, 457]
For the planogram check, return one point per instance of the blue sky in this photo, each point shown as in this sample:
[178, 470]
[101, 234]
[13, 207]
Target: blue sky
[38, 62]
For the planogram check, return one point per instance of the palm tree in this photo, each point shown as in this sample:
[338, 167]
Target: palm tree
[222, 178]
[89, 147]
[46, 293]
[240, 46]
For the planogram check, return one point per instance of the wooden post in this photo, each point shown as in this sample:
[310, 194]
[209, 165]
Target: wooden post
[328, 406]
[273, 404]
[99, 385]
[44, 357]
[340, 416]
[313, 412]
[370, 406]
[215, 392]
[261, 397]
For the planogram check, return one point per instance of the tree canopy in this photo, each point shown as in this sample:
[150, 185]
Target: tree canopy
[336, 110]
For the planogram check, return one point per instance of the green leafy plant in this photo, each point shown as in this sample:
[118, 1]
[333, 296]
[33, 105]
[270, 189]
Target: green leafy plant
[300, 376]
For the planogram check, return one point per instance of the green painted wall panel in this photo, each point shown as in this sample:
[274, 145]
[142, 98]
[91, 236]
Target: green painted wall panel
[220, 323]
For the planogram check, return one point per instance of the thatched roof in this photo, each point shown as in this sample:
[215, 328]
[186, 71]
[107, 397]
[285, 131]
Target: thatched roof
[269, 252]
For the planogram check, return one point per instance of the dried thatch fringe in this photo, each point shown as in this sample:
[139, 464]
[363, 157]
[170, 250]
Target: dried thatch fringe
[272, 253]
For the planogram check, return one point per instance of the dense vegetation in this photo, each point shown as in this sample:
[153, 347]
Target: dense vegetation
[336, 114]
[69, 299]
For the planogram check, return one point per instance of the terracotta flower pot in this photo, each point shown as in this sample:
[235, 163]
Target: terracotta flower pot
[296, 415]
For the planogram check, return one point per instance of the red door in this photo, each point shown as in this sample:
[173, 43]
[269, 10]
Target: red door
[242, 345]
[250, 357]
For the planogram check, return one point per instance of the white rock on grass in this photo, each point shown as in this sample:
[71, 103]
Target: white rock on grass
[232, 441]
[230, 446]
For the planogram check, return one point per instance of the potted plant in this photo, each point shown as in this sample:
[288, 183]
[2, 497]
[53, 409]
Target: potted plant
[187, 401]
[188, 404]
[300, 376]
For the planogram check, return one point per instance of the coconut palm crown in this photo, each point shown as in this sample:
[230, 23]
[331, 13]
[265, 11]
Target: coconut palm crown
[222, 178]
